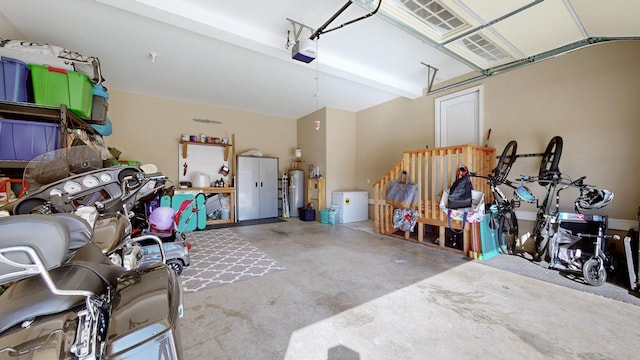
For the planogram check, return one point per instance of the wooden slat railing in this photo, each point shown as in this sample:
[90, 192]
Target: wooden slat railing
[434, 171]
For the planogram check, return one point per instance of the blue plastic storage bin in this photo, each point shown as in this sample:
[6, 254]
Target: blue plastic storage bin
[13, 80]
[23, 140]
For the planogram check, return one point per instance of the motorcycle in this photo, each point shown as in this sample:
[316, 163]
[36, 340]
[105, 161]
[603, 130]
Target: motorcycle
[64, 298]
[74, 285]
[74, 181]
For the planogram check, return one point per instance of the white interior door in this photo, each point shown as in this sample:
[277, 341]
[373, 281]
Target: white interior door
[459, 118]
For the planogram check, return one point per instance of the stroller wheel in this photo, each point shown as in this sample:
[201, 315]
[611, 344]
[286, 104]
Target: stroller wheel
[594, 274]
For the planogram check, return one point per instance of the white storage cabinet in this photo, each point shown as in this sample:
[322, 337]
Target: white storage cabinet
[257, 187]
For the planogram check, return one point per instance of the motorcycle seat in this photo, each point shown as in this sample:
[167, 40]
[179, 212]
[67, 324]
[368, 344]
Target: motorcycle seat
[80, 231]
[86, 269]
[46, 235]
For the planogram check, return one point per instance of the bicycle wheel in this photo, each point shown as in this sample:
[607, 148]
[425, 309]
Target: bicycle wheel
[508, 231]
[540, 240]
[594, 274]
[550, 159]
[505, 161]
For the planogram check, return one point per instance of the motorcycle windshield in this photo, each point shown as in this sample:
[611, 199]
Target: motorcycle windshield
[56, 165]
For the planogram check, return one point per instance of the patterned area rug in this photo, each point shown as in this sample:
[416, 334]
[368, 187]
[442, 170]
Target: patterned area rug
[220, 257]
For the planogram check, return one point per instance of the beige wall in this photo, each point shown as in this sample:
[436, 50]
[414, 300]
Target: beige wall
[590, 97]
[313, 142]
[7, 30]
[148, 129]
[332, 148]
[385, 131]
[341, 151]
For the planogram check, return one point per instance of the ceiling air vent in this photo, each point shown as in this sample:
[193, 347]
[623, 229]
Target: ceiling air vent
[484, 48]
[434, 14]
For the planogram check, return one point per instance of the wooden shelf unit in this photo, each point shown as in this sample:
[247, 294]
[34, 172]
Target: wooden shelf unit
[185, 145]
[217, 190]
[316, 194]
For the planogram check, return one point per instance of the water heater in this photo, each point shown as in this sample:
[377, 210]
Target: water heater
[296, 191]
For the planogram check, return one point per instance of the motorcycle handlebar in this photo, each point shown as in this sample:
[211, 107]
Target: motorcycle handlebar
[155, 176]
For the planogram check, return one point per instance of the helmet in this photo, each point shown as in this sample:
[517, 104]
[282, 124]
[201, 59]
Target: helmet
[523, 193]
[162, 218]
[594, 199]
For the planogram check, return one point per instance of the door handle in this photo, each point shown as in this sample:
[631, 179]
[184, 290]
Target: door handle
[256, 184]
[260, 183]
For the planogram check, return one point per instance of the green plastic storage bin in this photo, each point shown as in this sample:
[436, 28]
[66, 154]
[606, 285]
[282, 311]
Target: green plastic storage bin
[80, 94]
[129, 163]
[55, 87]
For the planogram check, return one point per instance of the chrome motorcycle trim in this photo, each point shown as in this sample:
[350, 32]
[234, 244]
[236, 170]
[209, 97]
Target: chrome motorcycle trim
[85, 342]
[37, 267]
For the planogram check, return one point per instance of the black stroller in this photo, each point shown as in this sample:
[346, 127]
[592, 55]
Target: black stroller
[579, 246]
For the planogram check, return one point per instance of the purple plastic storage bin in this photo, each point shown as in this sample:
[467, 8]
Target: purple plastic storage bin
[23, 140]
[307, 214]
[13, 80]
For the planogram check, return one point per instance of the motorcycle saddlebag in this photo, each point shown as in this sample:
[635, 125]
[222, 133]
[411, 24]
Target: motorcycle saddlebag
[146, 312]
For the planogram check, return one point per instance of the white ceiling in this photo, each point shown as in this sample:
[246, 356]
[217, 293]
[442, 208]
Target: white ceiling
[232, 53]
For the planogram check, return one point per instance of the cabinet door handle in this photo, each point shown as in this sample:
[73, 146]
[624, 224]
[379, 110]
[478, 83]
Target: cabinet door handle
[260, 183]
[256, 184]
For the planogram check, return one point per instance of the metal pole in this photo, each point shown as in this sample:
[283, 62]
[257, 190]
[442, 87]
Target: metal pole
[317, 33]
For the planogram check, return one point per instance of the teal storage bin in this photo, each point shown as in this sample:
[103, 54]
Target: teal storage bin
[488, 239]
[335, 215]
[324, 216]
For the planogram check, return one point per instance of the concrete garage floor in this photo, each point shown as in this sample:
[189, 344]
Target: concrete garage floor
[347, 293]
